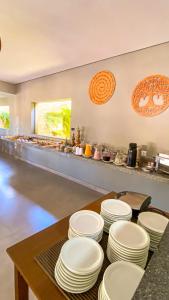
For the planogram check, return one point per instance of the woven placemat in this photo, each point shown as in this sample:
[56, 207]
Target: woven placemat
[47, 261]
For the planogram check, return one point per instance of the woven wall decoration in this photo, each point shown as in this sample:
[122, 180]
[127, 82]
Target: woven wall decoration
[151, 96]
[102, 87]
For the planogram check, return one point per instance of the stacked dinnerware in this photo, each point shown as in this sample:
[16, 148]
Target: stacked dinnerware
[129, 242]
[113, 210]
[120, 281]
[155, 225]
[86, 223]
[79, 264]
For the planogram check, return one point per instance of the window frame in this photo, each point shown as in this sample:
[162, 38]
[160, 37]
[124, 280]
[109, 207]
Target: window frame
[34, 118]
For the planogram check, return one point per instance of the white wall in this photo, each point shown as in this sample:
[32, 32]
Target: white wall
[6, 87]
[114, 122]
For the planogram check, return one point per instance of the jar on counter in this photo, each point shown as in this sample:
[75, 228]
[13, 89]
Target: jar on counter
[132, 155]
[97, 154]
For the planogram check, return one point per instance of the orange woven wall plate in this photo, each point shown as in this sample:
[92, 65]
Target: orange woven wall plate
[102, 87]
[151, 96]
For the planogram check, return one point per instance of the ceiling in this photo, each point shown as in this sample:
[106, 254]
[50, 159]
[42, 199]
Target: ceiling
[40, 37]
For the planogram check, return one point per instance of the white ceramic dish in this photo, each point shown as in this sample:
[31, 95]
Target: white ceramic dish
[129, 235]
[86, 222]
[97, 238]
[71, 289]
[74, 276]
[73, 282]
[115, 207]
[117, 284]
[79, 264]
[117, 256]
[153, 221]
[131, 253]
[82, 255]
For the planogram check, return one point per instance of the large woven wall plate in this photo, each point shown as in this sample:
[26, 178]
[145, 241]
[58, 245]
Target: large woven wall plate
[102, 87]
[151, 96]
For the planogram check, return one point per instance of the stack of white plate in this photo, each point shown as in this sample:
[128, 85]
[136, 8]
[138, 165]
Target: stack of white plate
[128, 241]
[155, 225]
[113, 210]
[79, 264]
[86, 223]
[120, 281]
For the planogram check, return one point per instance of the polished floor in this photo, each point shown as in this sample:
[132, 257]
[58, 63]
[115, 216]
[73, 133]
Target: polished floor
[30, 200]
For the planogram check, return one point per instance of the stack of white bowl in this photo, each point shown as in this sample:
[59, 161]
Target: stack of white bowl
[155, 225]
[79, 264]
[129, 242]
[113, 210]
[86, 223]
[120, 281]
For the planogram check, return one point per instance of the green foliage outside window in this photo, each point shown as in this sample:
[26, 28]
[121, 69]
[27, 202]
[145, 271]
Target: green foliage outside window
[4, 119]
[53, 118]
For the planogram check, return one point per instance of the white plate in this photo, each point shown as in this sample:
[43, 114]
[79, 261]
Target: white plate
[111, 216]
[101, 295]
[116, 256]
[123, 251]
[73, 282]
[86, 222]
[111, 220]
[82, 255]
[73, 276]
[129, 235]
[140, 256]
[119, 247]
[116, 207]
[153, 221]
[112, 260]
[71, 289]
[121, 280]
[97, 238]
[158, 234]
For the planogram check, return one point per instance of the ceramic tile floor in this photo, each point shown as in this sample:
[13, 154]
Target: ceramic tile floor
[30, 200]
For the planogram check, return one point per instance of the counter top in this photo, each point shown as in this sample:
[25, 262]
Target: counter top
[155, 282]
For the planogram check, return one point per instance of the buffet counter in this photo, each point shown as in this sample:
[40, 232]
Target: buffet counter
[98, 175]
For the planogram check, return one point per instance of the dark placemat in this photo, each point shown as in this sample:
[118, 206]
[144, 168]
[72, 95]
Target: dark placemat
[47, 261]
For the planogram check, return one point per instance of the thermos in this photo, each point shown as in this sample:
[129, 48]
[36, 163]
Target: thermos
[132, 155]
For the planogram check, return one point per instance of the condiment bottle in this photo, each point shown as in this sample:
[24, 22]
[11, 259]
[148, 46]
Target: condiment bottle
[73, 137]
[97, 154]
[78, 137]
[88, 150]
[132, 155]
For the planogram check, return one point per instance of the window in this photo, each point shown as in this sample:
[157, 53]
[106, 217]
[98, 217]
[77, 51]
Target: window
[53, 118]
[4, 117]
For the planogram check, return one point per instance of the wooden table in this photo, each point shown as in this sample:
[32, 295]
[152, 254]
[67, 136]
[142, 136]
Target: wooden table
[27, 271]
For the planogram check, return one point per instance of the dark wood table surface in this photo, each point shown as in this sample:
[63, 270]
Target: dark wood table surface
[27, 271]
